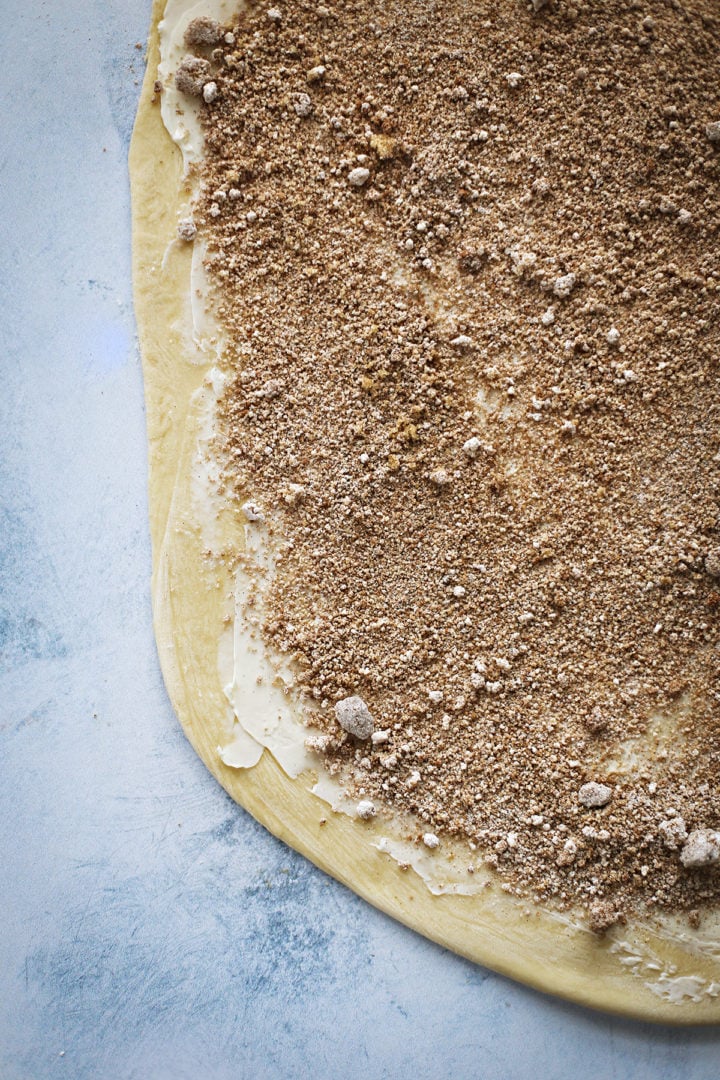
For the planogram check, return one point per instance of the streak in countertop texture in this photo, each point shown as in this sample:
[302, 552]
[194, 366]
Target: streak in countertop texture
[150, 928]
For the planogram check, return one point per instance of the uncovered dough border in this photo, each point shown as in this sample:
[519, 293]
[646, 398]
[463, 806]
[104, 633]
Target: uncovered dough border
[192, 596]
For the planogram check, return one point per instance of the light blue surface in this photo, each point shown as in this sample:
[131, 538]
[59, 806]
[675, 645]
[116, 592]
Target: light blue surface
[148, 927]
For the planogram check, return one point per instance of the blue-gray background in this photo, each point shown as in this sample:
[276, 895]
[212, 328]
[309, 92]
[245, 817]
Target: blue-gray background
[148, 927]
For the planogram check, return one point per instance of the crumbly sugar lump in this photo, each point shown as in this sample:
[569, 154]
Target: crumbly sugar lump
[470, 265]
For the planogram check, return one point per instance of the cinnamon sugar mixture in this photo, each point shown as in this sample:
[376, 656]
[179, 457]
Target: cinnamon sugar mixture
[469, 257]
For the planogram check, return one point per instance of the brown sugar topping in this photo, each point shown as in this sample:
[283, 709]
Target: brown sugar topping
[471, 267]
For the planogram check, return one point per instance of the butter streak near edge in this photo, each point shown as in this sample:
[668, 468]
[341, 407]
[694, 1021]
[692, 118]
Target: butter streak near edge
[255, 688]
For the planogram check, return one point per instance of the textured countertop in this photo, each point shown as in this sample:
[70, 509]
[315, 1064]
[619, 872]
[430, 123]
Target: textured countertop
[148, 927]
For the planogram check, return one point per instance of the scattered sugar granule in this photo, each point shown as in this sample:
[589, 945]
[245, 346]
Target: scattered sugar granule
[440, 477]
[548, 317]
[274, 15]
[613, 336]
[603, 915]
[712, 131]
[673, 832]
[365, 809]
[564, 285]
[523, 261]
[458, 591]
[702, 848]
[294, 494]
[315, 74]
[594, 795]
[379, 738]
[210, 92]
[354, 717]
[430, 840]
[202, 32]
[191, 76]
[269, 390]
[187, 230]
[303, 106]
[462, 341]
[318, 744]
[413, 779]
[358, 177]
[514, 78]
[595, 834]
[568, 853]
[435, 696]
[472, 447]
[252, 511]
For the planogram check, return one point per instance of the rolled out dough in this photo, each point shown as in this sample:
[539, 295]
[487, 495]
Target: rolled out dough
[644, 971]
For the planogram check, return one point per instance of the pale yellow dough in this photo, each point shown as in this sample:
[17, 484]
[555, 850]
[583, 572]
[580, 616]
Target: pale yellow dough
[640, 971]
